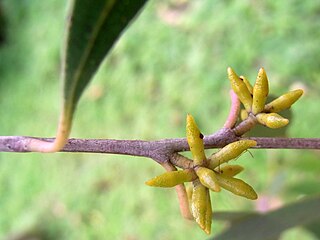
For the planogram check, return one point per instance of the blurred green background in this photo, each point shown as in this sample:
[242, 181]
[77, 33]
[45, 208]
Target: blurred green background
[170, 62]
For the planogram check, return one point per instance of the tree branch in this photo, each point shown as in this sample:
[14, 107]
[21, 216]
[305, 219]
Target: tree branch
[160, 150]
[287, 143]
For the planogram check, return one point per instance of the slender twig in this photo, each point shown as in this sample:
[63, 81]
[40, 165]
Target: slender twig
[159, 150]
[234, 111]
[287, 143]
[182, 194]
[181, 161]
[246, 125]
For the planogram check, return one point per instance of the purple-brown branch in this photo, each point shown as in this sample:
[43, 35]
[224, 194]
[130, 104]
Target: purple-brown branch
[234, 111]
[160, 150]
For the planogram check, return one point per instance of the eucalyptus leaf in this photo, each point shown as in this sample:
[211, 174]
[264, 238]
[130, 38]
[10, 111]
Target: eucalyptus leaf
[93, 28]
[233, 216]
[314, 228]
[270, 225]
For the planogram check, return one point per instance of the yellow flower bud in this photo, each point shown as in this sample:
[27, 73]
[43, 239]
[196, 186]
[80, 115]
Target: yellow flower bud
[243, 114]
[189, 189]
[173, 178]
[231, 170]
[199, 203]
[207, 228]
[208, 178]
[247, 83]
[260, 92]
[237, 186]
[229, 152]
[240, 88]
[272, 120]
[195, 141]
[283, 102]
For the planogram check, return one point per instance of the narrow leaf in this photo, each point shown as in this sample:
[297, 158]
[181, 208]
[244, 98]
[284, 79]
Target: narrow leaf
[272, 224]
[92, 29]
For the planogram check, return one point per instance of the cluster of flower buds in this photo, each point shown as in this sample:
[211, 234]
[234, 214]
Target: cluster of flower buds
[208, 174]
[254, 99]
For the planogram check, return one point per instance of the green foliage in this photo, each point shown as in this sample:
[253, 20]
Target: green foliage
[92, 30]
[271, 225]
[180, 65]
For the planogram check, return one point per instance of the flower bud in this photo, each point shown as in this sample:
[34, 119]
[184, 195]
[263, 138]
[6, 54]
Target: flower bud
[240, 88]
[247, 83]
[243, 114]
[208, 178]
[229, 152]
[283, 102]
[231, 170]
[272, 120]
[199, 203]
[260, 92]
[173, 178]
[189, 190]
[208, 221]
[195, 141]
[237, 186]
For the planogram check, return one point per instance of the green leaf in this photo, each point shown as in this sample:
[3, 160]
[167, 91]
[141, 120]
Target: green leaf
[314, 228]
[233, 216]
[272, 224]
[93, 28]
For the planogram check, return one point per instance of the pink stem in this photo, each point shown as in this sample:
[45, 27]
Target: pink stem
[182, 194]
[234, 111]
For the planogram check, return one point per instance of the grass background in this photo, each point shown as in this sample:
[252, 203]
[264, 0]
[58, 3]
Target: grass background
[170, 62]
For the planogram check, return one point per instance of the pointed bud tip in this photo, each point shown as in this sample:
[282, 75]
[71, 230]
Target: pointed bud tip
[262, 73]
[299, 92]
[249, 143]
[254, 196]
[252, 143]
[207, 230]
[201, 222]
[230, 71]
[190, 118]
[279, 124]
[149, 183]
